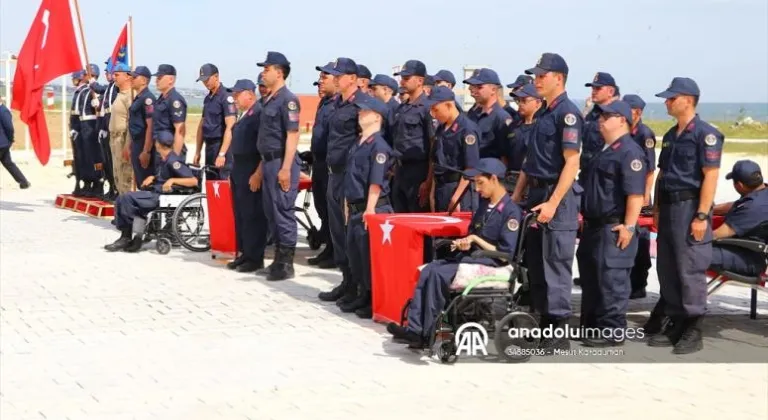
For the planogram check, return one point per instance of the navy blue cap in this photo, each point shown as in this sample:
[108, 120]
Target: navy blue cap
[429, 81]
[121, 68]
[365, 102]
[78, 74]
[324, 69]
[549, 62]
[413, 68]
[165, 70]
[680, 86]
[274, 59]
[527, 91]
[602, 79]
[363, 72]
[243, 84]
[617, 107]
[141, 71]
[260, 80]
[441, 94]
[743, 171]
[384, 80]
[94, 70]
[315, 83]
[164, 137]
[634, 101]
[206, 71]
[342, 65]
[445, 76]
[487, 166]
[521, 81]
[483, 77]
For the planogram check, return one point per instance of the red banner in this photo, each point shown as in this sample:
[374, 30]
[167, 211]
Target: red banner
[221, 217]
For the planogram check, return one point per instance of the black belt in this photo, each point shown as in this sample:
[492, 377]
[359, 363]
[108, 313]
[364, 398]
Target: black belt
[672, 197]
[361, 205]
[273, 155]
[541, 182]
[449, 177]
[208, 140]
[601, 221]
[402, 162]
[336, 169]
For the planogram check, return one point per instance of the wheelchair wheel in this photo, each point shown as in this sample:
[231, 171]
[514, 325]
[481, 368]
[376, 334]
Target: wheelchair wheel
[446, 352]
[515, 350]
[189, 224]
[313, 238]
[163, 246]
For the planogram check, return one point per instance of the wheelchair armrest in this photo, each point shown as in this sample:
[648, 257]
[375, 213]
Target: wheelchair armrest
[440, 243]
[748, 244]
[492, 254]
[183, 191]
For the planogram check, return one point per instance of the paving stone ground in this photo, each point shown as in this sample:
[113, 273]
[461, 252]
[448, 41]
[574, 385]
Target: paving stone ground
[85, 334]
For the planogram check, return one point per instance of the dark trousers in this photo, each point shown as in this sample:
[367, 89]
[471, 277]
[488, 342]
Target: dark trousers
[444, 192]
[279, 205]
[319, 196]
[106, 158]
[335, 197]
[5, 159]
[134, 204]
[250, 221]
[139, 173]
[405, 187]
[212, 147]
[639, 273]
[90, 151]
[359, 250]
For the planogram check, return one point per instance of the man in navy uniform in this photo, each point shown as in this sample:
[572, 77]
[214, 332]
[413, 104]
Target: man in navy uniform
[521, 81]
[93, 165]
[278, 139]
[446, 78]
[494, 122]
[131, 209]
[494, 227]
[78, 152]
[170, 109]
[108, 95]
[364, 79]
[603, 93]
[529, 105]
[140, 126]
[549, 172]
[215, 128]
[6, 141]
[614, 184]
[689, 165]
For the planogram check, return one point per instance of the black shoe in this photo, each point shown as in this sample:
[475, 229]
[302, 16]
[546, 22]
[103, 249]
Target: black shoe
[601, 342]
[284, 268]
[670, 335]
[365, 312]
[577, 281]
[549, 345]
[121, 243]
[249, 266]
[326, 254]
[335, 294]
[359, 303]
[78, 190]
[236, 262]
[405, 336]
[25, 185]
[654, 325]
[350, 295]
[638, 294]
[690, 341]
[135, 245]
[266, 271]
[327, 264]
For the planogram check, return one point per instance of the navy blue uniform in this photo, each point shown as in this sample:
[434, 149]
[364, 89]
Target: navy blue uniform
[744, 217]
[682, 261]
[6, 140]
[494, 126]
[615, 173]
[412, 131]
[250, 220]
[515, 147]
[279, 116]
[141, 110]
[170, 109]
[74, 134]
[216, 107]
[551, 246]
[646, 139]
[456, 146]
[499, 225]
[108, 96]
[92, 168]
[367, 164]
[319, 149]
[592, 140]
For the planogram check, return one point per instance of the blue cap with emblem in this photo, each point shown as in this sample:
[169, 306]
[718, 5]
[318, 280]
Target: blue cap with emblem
[521, 81]
[445, 76]
[747, 172]
[274, 59]
[206, 71]
[602, 79]
[549, 62]
[243, 84]
[617, 107]
[680, 86]
[165, 70]
[94, 70]
[527, 91]
[412, 68]
[441, 94]
[483, 77]
[634, 101]
[363, 72]
[141, 71]
[365, 102]
[121, 68]
[384, 80]
[487, 166]
[342, 65]
[165, 138]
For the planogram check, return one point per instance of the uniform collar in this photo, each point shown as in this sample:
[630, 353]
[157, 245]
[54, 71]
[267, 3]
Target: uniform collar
[494, 107]
[637, 127]
[560, 99]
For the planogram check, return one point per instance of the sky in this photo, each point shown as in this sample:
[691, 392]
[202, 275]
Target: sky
[722, 44]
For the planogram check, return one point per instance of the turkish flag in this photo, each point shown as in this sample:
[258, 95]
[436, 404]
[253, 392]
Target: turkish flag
[221, 217]
[53, 47]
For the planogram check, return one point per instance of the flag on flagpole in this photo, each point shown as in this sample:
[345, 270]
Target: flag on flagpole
[53, 47]
[120, 52]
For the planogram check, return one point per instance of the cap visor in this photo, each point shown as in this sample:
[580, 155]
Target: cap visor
[594, 85]
[473, 81]
[471, 173]
[536, 71]
[203, 78]
[667, 94]
[403, 73]
[729, 175]
[262, 64]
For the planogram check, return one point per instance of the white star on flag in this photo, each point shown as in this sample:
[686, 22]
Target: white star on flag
[387, 229]
[216, 189]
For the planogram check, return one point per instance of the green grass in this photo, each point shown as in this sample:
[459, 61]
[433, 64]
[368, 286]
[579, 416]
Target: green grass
[726, 127]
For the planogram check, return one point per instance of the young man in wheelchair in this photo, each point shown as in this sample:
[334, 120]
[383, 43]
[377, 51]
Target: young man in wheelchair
[494, 227]
[131, 209]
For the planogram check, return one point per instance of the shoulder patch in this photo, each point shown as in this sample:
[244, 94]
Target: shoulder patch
[570, 119]
[176, 104]
[292, 105]
[508, 121]
[636, 165]
[381, 158]
[177, 165]
[650, 143]
[470, 139]
[148, 101]
[710, 140]
[513, 225]
[230, 99]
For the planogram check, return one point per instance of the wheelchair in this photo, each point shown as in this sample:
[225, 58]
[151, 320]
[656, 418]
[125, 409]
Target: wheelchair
[479, 302]
[180, 218]
[313, 234]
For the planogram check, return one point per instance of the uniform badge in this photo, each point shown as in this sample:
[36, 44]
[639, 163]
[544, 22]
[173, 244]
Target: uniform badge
[177, 165]
[230, 99]
[176, 104]
[636, 165]
[381, 158]
[570, 119]
[650, 143]
[597, 76]
[470, 139]
[148, 101]
[710, 140]
[513, 225]
[292, 106]
[508, 121]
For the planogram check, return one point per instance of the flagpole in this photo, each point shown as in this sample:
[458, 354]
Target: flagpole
[82, 36]
[131, 60]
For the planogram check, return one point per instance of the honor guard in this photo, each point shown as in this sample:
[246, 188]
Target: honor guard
[457, 146]
[614, 184]
[343, 132]
[494, 122]
[78, 154]
[247, 195]
[119, 139]
[140, 125]
[521, 81]
[277, 141]
[89, 135]
[529, 105]
[412, 132]
[319, 149]
[366, 191]
[646, 139]
[689, 164]
[364, 79]
[108, 96]
[384, 88]
[215, 128]
[549, 172]
[170, 108]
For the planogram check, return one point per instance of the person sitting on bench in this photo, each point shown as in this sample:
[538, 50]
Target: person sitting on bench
[131, 209]
[743, 219]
